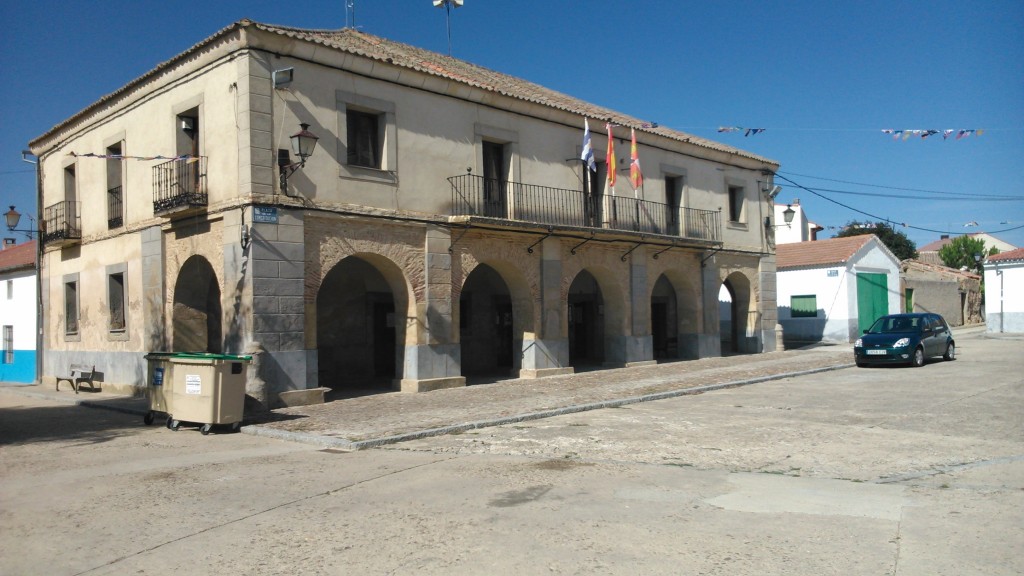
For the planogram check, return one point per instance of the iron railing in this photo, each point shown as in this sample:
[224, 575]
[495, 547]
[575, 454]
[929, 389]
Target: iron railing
[179, 184]
[115, 208]
[62, 223]
[479, 196]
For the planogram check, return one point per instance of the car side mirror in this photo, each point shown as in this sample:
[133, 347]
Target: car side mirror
[866, 331]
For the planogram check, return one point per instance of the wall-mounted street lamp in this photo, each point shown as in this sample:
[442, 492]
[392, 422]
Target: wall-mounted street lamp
[303, 143]
[787, 217]
[12, 217]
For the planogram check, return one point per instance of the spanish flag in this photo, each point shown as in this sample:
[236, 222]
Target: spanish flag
[636, 177]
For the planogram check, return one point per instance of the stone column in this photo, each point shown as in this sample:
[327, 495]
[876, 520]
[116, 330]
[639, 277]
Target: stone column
[434, 360]
[710, 344]
[639, 344]
[548, 353]
[154, 326]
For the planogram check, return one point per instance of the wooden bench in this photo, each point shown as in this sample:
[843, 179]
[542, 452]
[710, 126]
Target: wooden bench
[80, 373]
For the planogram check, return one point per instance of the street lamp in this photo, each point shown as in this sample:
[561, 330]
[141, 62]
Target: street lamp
[787, 217]
[303, 143]
[12, 218]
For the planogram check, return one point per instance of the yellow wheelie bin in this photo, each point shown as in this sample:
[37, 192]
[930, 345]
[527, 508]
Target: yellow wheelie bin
[207, 390]
[158, 380]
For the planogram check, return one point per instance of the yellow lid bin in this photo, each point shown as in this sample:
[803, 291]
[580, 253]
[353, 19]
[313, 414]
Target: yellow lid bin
[205, 389]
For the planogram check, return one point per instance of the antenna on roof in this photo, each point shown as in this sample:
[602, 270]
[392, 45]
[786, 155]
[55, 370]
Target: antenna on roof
[448, 7]
[350, 10]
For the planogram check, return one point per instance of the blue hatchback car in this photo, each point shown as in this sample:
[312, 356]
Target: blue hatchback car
[905, 339]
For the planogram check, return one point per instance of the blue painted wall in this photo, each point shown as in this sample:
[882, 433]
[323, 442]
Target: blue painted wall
[23, 370]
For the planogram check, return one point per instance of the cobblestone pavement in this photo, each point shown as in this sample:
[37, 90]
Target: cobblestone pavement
[372, 420]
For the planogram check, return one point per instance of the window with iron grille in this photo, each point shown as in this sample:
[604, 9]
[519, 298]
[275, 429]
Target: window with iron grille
[115, 300]
[8, 344]
[71, 307]
[115, 184]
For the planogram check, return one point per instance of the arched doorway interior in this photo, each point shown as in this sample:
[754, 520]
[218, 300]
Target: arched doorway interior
[664, 320]
[485, 324]
[196, 316]
[356, 328]
[586, 321]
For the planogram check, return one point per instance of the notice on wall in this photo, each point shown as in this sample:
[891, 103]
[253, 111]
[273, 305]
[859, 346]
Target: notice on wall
[193, 384]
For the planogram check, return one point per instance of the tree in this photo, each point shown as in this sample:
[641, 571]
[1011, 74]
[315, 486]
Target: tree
[961, 251]
[896, 241]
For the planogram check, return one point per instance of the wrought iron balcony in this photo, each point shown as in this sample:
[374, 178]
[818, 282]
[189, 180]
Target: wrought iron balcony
[62, 224]
[115, 208]
[179, 185]
[479, 196]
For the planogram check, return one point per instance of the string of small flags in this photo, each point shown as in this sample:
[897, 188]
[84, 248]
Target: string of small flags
[957, 134]
[746, 131]
[181, 158]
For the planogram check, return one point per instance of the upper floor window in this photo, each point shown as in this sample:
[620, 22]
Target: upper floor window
[10, 289]
[8, 344]
[364, 141]
[737, 195]
[115, 184]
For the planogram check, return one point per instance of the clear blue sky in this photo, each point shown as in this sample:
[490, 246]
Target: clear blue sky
[823, 79]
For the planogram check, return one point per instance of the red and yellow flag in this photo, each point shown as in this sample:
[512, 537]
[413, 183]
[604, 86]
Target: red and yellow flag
[636, 177]
[610, 158]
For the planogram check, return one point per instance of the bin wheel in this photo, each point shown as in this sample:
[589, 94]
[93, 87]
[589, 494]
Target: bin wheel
[236, 426]
[205, 429]
[148, 418]
[173, 424]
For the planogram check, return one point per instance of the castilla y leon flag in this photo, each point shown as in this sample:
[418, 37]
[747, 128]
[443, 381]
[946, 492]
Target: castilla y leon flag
[610, 159]
[636, 177]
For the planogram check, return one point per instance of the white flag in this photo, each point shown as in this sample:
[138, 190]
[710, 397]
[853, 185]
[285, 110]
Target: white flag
[588, 148]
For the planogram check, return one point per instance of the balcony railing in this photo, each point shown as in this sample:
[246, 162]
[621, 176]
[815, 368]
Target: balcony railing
[179, 185]
[62, 223]
[115, 208]
[479, 196]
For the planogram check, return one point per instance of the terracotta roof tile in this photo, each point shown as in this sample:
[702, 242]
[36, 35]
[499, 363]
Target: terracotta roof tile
[820, 252]
[403, 55]
[18, 257]
[1007, 256]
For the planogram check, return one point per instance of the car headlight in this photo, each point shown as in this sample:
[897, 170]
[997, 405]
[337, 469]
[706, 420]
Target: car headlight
[901, 343]
[859, 343]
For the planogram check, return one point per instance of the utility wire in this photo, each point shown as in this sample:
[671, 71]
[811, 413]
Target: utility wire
[880, 218]
[900, 188]
[942, 198]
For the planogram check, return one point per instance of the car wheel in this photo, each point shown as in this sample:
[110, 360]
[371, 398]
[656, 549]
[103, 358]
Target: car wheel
[950, 352]
[918, 359]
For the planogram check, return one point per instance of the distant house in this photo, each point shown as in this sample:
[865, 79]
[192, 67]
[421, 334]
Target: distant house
[1004, 291]
[929, 253]
[18, 312]
[831, 290]
[955, 294]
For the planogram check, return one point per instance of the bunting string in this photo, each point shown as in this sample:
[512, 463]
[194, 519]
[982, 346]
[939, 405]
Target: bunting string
[746, 131]
[957, 134]
[181, 158]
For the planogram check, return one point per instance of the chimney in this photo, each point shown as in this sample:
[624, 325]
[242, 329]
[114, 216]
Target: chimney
[9, 243]
[944, 237]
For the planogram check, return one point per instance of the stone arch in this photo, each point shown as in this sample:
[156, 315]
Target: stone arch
[736, 326]
[362, 305]
[597, 318]
[197, 315]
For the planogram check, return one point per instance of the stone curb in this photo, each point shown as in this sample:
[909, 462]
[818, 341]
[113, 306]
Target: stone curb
[351, 446]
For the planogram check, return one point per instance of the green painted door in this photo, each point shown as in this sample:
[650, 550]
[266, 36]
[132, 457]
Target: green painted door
[872, 298]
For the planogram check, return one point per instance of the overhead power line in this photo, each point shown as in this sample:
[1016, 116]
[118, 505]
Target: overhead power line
[925, 190]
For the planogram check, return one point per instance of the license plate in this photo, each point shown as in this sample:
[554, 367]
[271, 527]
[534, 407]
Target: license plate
[876, 352]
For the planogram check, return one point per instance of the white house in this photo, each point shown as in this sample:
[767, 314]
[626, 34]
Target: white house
[831, 290]
[1004, 291]
[18, 312]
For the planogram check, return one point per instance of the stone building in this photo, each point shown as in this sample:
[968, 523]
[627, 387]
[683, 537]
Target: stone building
[443, 227]
[955, 294]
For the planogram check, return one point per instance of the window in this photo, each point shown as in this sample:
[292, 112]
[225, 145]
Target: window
[71, 307]
[909, 305]
[364, 142]
[803, 306]
[115, 301]
[10, 289]
[70, 187]
[673, 194]
[8, 345]
[736, 197]
[115, 204]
